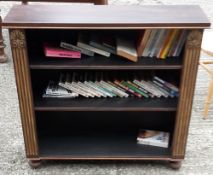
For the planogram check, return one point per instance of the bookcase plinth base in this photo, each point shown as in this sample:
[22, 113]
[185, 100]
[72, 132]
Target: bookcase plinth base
[3, 58]
[175, 164]
[34, 163]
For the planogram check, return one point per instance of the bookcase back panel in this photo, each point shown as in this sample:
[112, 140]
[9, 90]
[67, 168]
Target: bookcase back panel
[94, 134]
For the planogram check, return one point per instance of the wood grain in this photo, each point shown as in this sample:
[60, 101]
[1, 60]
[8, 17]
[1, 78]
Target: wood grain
[189, 72]
[23, 82]
[103, 17]
[97, 2]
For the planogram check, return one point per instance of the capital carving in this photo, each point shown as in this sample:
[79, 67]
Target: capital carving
[194, 38]
[17, 39]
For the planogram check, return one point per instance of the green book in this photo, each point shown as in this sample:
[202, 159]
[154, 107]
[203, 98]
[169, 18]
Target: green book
[134, 89]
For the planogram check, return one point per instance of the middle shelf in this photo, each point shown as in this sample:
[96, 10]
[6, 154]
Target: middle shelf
[105, 104]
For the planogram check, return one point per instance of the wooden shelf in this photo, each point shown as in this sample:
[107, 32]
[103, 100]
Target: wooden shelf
[94, 146]
[100, 62]
[114, 104]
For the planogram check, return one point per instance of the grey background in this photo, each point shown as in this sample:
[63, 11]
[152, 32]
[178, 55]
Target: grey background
[199, 154]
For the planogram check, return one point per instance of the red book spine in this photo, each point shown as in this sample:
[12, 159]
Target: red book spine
[55, 52]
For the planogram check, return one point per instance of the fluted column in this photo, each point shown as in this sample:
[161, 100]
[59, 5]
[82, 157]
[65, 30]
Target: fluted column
[23, 82]
[188, 79]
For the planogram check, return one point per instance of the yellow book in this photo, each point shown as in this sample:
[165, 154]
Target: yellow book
[169, 43]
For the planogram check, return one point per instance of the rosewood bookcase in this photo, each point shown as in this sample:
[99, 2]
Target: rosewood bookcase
[101, 129]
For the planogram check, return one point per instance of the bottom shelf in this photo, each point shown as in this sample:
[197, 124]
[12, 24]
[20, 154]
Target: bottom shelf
[98, 145]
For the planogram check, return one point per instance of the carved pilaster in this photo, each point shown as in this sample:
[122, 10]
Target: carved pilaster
[20, 58]
[188, 78]
[3, 56]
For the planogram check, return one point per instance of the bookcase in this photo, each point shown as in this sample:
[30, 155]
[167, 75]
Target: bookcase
[101, 128]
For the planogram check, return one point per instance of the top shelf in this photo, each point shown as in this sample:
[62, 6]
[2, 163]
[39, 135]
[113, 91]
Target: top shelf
[106, 17]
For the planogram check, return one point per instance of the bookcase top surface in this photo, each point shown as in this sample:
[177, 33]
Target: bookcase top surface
[106, 16]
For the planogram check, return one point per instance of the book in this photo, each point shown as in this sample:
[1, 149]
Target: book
[51, 51]
[153, 138]
[109, 42]
[142, 40]
[164, 42]
[158, 43]
[75, 48]
[126, 49]
[149, 42]
[53, 90]
[83, 42]
[180, 43]
[96, 41]
[168, 85]
[168, 44]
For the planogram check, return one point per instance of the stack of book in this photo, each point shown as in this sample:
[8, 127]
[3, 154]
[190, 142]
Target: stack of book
[159, 43]
[155, 87]
[153, 138]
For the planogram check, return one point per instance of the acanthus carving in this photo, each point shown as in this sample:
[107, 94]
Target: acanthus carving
[194, 38]
[17, 39]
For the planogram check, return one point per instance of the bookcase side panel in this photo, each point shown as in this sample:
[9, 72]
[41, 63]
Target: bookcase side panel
[23, 82]
[188, 79]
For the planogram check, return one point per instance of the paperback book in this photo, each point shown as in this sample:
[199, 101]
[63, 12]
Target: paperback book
[153, 138]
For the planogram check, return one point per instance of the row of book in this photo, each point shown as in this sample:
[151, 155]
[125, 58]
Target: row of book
[67, 87]
[159, 43]
[153, 138]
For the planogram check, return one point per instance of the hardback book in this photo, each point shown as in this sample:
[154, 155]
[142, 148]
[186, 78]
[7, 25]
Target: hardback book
[96, 41]
[51, 51]
[149, 43]
[75, 48]
[153, 138]
[168, 44]
[126, 49]
[180, 43]
[83, 42]
[142, 40]
[164, 42]
[158, 42]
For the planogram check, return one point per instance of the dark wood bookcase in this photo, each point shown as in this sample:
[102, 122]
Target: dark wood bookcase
[101, 129]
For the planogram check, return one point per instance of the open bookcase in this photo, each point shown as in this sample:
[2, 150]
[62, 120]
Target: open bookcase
[102, 128]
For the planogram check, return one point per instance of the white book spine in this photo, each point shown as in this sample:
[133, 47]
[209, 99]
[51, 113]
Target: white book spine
[93, 49]
[72, 47]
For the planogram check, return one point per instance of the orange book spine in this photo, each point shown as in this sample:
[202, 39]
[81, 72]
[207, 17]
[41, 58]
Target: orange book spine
[165, 43]
[169, 44]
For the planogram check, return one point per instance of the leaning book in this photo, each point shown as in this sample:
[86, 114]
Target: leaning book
[153, 138]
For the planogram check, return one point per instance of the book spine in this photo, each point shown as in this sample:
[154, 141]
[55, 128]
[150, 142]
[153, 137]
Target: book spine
[95, 88]
[104, 88]
[147, 47]
[169, 85]
[93, 49]
[151, 143]
[102, 47]
[127, 88]
[72, 47]
[119, 92]
[145, 88]
[61, 53]
[126, 93]
[144, 92]
[133, 88]
[163, 92]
